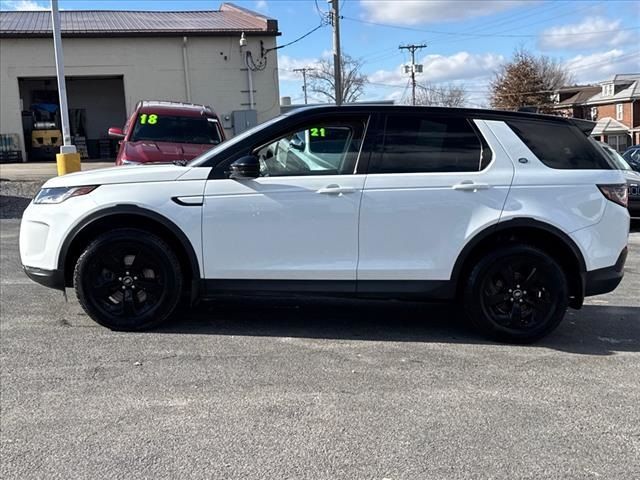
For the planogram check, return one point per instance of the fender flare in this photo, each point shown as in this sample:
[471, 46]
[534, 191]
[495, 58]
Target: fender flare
[127, 209]
[517, 223]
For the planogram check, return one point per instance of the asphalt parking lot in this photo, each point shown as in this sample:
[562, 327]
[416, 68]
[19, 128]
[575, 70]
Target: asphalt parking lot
[320, 389]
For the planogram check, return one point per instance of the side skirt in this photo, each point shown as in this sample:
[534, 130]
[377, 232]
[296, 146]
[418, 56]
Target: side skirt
[405, 289]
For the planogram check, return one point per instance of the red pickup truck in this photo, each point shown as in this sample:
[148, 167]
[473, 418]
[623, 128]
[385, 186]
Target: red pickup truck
[165, 132]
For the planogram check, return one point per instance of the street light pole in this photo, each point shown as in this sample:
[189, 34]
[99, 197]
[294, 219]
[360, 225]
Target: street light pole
[68, 159]
[62, 87]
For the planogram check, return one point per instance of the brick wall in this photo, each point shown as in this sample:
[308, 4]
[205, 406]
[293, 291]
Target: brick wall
[610, 111]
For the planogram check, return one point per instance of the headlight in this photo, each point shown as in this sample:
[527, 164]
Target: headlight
[60, 194]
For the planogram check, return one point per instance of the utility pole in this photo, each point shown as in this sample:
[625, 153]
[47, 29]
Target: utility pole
[337, 58]
[68, 159]
[413, 68]
[304, 71]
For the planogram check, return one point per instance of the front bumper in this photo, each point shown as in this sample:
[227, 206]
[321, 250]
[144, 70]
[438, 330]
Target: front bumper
[605, 280]
[48, 278]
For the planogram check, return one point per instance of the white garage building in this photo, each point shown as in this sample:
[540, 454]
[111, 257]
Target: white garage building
[113, 59]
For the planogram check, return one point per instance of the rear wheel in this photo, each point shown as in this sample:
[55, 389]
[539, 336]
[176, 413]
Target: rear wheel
[128, 279]
[516, 294]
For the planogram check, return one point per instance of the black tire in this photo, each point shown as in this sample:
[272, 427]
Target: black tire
[128, 279]
[516, 294]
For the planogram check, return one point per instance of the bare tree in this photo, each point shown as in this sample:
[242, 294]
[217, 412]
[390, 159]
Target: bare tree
[321, 80]
[527, 81]
[441, 96]
[553, 73]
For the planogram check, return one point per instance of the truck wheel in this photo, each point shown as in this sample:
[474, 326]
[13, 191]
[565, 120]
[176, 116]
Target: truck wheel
[128, 279]
[516, 294]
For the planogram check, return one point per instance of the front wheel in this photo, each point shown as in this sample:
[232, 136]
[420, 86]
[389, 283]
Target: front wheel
[516, 294]
[128, 279]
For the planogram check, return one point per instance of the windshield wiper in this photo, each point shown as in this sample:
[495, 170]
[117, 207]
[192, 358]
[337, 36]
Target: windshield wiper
[181, 163]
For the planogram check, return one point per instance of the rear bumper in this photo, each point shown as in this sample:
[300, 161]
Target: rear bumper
[48, 278]
[605, 280]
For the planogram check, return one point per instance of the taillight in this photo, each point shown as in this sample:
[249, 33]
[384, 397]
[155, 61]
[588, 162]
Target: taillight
[617, 193]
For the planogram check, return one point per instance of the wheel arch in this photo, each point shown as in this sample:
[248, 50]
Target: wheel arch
[532, 232]
[128, 216]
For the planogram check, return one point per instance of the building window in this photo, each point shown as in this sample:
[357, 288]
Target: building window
[594, 113]
[619, 111]
[618, 142]
[607, 90]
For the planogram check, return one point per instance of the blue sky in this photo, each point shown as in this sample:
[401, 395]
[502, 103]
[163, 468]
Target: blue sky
[467, 39]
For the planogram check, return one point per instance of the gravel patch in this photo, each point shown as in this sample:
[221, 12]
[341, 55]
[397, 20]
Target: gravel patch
[16, 196]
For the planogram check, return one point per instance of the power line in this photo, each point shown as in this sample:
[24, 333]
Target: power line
[572, 11]
[513, 18]
[493, 35]
[267, 50]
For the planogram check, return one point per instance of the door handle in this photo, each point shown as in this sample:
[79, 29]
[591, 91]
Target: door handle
[336, 189]
[468, 185]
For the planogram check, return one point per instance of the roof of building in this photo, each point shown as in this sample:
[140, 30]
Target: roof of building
[99, 23]
[581, 96]
[609, 125]
[628, 85]
[573, 88]
[623, 78]
[632, 91]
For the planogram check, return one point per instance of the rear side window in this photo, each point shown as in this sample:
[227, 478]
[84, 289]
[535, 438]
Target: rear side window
[559, 145]
[425, 144]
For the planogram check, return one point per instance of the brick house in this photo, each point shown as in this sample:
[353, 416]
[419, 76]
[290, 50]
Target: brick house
[570, 101]
[613, 103]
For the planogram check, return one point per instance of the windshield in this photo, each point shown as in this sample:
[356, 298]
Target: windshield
[176, 129]
[632, 156]
[196, 162]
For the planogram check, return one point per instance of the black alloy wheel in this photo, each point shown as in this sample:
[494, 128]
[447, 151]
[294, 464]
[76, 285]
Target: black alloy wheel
[518, 294]
[128, 279]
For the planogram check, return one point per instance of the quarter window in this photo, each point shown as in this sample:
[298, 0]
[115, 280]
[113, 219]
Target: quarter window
[559, 145]
[423, 143]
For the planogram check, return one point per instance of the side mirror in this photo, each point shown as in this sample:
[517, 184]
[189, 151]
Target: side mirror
[245, 167]
[297, 143]
[116, 133]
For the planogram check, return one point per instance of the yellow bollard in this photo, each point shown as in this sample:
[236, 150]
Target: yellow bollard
[68, 163]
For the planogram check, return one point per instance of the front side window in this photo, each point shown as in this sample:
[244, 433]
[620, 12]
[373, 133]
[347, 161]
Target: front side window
[426, 144]
[330, 148]
[176, 129]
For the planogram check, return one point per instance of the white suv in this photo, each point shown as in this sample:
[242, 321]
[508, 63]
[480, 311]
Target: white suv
[517, 215]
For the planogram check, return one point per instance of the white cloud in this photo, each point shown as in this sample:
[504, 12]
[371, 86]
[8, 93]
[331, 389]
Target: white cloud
[286, 65]
[440, 68]
[262, 5]
[599, 66]
[591, 32]
[23, 5]
[413, 12]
